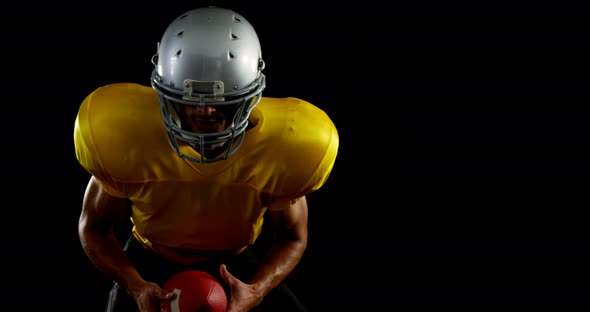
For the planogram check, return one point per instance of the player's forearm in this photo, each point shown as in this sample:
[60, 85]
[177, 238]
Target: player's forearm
[105, 252]
[279, 262]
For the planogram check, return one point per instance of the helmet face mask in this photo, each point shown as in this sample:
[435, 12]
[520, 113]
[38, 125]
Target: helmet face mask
[209, 59]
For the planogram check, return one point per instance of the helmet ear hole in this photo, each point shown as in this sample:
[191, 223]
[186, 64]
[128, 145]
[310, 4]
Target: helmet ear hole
[154, 58]
[261, 64]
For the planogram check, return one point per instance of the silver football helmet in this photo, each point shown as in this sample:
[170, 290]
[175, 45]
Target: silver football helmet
[208, 57]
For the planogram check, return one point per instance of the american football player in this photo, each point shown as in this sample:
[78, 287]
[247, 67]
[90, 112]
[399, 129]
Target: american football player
[198, 161]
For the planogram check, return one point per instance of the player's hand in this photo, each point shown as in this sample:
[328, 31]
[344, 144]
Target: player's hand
[149, 295]
[243, 296]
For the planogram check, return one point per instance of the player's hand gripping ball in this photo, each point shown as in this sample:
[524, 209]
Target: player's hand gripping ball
[195, 291]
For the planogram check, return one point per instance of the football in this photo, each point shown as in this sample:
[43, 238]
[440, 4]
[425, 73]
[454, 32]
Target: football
[195, 291]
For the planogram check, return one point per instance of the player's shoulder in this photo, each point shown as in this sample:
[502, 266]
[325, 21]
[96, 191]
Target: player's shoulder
[118, 122]
[116, 99]
[120, 87]
[290, 110]
[288, 104]
[302, 135]
[119, 90]
[296, 118]
[296, 124]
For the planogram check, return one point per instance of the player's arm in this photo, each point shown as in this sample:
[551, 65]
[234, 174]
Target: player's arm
[288, 224]
[288, 227]
[101, 212]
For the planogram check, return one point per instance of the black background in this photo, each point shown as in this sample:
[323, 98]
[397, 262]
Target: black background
[462, 171]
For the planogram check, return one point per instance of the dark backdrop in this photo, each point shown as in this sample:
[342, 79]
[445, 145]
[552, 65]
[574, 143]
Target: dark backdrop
[462, 171]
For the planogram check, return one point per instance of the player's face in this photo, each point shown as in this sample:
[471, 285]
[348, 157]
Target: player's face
[204, 119]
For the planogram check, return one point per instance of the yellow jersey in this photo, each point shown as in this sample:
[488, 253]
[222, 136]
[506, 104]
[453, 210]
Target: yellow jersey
[119, 138]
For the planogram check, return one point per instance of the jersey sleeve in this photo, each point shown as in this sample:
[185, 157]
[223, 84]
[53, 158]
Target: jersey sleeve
[310, 150]
[87, 152]
[326, 164]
